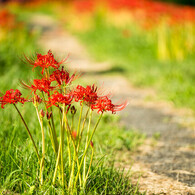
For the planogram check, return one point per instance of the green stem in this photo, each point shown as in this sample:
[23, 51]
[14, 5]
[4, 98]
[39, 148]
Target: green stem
[28, 131]
[80, 136]
[68, 129]
[75, 156]
[72, 122]
[62, 144]
[52, 128]
[88, 130]
[69, 151]
[72, 171]
[79, 168]
[78, 128]
[68, 141]
[57, 163]
[85, 179]
[43, 146]
[51, 138]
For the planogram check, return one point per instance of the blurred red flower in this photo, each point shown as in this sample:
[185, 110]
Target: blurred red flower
[74, 134]
[12, 97]
[7, 19]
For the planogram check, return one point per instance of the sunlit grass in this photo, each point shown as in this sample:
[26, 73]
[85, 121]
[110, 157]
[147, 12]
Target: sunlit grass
[19, 164]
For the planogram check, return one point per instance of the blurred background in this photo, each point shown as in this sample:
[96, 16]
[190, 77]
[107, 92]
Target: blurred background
[152, 43]
[149, 43]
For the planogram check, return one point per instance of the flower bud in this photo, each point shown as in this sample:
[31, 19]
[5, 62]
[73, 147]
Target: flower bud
[42, 113]
[91, 143]
[49, 114]
[37, 99]
[73, 110]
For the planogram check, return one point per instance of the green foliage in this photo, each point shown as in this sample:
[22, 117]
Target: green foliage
[115, 136]
[14, 46]
[134, 51]
[18, 161]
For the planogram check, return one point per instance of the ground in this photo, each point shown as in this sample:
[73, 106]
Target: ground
[165, 163]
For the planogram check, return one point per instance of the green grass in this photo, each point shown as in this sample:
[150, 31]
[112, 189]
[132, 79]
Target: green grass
[14, 46]
[135, 54]
[18, 161]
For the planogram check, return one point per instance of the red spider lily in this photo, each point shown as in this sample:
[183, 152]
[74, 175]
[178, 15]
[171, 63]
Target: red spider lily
[39, 84]
[45, 61]
[57, 98]
[62, 76]
[87, 95]
[12, 97]
[104, 104]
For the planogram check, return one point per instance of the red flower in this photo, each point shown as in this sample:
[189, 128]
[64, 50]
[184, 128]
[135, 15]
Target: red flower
[84, 5]
[58, 98]
[74, 134]
[45, 61]
[12, 97]
[104, 104]
[91, 143]
[40, 84]
[88, 94]
[7, 19]
[62, 76]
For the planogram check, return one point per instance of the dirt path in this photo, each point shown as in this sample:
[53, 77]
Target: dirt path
[166, 162]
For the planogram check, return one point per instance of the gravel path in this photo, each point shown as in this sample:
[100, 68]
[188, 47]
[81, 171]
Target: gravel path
[166, 162]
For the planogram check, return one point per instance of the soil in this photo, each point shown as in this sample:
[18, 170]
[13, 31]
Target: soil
[165, 163]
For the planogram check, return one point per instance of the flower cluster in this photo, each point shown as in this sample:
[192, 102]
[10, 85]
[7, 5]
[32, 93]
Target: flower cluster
[12, 97]
[89, 95]
[150, 10]
[55, 90]
[102, 103]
